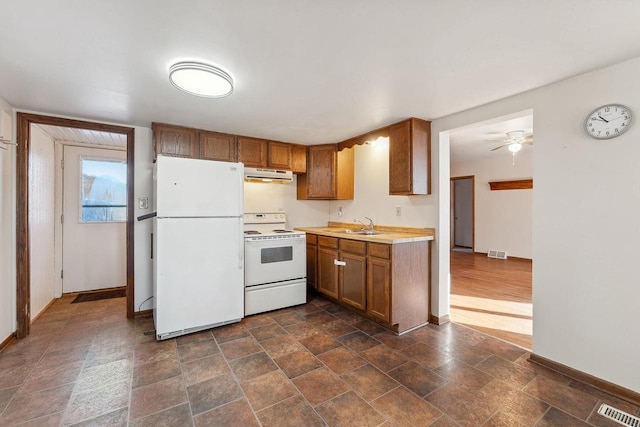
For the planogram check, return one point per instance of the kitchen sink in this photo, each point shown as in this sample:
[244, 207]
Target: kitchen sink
[359, 232]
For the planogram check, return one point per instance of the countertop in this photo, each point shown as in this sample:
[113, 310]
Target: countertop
[389, 235]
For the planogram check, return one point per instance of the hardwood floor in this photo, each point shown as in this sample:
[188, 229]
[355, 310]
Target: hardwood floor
[492, 296]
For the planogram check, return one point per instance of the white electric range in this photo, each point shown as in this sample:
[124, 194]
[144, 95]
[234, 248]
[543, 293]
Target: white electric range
[275, 263]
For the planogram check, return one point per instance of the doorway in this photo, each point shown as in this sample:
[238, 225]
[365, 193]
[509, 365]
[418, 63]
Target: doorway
[462, 213]
[23, 255]
[93, 196]
[488, 294]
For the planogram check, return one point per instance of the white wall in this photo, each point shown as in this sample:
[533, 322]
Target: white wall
[372, 197]
[503, 219]
[269, 197]
[143, 187]
[41, 219]
[585, 203]
[7, 236]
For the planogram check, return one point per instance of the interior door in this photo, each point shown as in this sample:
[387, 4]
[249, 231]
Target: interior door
[94, 219]
[463, 213]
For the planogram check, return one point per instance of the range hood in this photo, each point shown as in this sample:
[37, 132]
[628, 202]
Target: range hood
[268, 175]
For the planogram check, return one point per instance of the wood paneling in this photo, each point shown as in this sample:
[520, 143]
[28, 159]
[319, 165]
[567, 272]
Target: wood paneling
[252, 152]
[24, 121]
[518, 184]
[218, 146]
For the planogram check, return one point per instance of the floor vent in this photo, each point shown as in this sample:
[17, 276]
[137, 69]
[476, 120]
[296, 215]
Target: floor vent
[618, 416]
[497, 254]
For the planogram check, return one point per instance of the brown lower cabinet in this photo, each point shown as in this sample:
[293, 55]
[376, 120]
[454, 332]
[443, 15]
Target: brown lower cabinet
[388, 283]
[312, 261]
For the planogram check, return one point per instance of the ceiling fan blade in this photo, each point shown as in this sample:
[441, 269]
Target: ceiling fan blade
[527, 142]
[500, 146]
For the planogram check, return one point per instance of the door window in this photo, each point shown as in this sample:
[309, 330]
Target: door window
[103, 190]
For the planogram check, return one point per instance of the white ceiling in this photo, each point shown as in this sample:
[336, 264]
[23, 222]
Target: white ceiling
[85, 136]
[477, 142]
[306, 71]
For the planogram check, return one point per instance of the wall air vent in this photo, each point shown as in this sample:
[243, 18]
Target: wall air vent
[497, 254]
[618, 416]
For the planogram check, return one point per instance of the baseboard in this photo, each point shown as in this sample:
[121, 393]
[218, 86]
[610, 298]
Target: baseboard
[43, 310]
[143, 313]
[7, 342]
[606, 386]
[439, 320]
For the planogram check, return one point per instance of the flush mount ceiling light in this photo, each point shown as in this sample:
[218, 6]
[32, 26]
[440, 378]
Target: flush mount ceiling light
[201, 79]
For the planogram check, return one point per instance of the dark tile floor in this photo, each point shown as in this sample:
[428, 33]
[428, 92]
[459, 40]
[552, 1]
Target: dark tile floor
[311, 365]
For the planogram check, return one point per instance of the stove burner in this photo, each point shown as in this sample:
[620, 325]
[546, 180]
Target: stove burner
[279, 231]
[248, 232]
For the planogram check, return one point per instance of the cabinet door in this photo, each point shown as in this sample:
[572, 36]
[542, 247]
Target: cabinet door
[312, 264]
[353, 280]
[400, 172]
[252, 152]
[327, 272]
[175, 141]
[298, 158]
[279, 155]
[218, 146]
[321, 172]
[378, 288]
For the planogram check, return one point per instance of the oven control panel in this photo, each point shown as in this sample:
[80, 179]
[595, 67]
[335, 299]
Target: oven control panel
[265, 218]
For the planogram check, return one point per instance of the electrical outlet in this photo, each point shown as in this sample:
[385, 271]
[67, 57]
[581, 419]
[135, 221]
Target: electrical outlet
[143, 203]
[340, 211]
[398, 211]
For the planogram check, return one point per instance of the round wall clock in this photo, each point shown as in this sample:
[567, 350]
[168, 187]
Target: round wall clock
[608, 121]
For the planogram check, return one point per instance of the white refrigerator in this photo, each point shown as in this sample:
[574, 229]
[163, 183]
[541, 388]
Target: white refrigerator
[198, 245]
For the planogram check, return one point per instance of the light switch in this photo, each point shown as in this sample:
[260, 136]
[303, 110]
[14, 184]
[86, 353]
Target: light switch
[143, 203]
[398, 211]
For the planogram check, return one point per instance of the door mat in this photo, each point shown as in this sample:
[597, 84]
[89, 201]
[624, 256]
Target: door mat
[95, 296]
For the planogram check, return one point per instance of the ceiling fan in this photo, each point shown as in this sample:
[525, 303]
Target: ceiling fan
[514, 141]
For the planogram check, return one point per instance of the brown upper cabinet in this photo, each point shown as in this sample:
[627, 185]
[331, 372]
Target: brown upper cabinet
[298, 158]
[218, 146]
[176, 141]
[329, 174]
[278, 155]
[252, 152]
[410, 157]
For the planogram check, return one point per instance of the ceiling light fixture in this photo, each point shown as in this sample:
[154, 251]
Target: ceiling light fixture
[200, 79]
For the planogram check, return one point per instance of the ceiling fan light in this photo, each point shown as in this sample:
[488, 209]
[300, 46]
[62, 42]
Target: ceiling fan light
[515, 147]
[201, 79]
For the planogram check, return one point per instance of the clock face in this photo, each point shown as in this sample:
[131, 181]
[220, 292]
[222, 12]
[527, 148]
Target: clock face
[608, 121]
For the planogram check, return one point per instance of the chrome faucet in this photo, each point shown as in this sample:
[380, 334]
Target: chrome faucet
[370, 226]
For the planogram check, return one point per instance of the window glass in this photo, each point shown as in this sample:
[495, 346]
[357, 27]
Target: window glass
[103, 190]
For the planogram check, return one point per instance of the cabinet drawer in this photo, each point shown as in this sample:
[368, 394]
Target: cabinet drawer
[353, 246]
[328, 242]
[380, 250]
[312, 239]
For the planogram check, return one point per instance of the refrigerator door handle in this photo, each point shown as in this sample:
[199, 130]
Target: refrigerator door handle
[241, 255]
